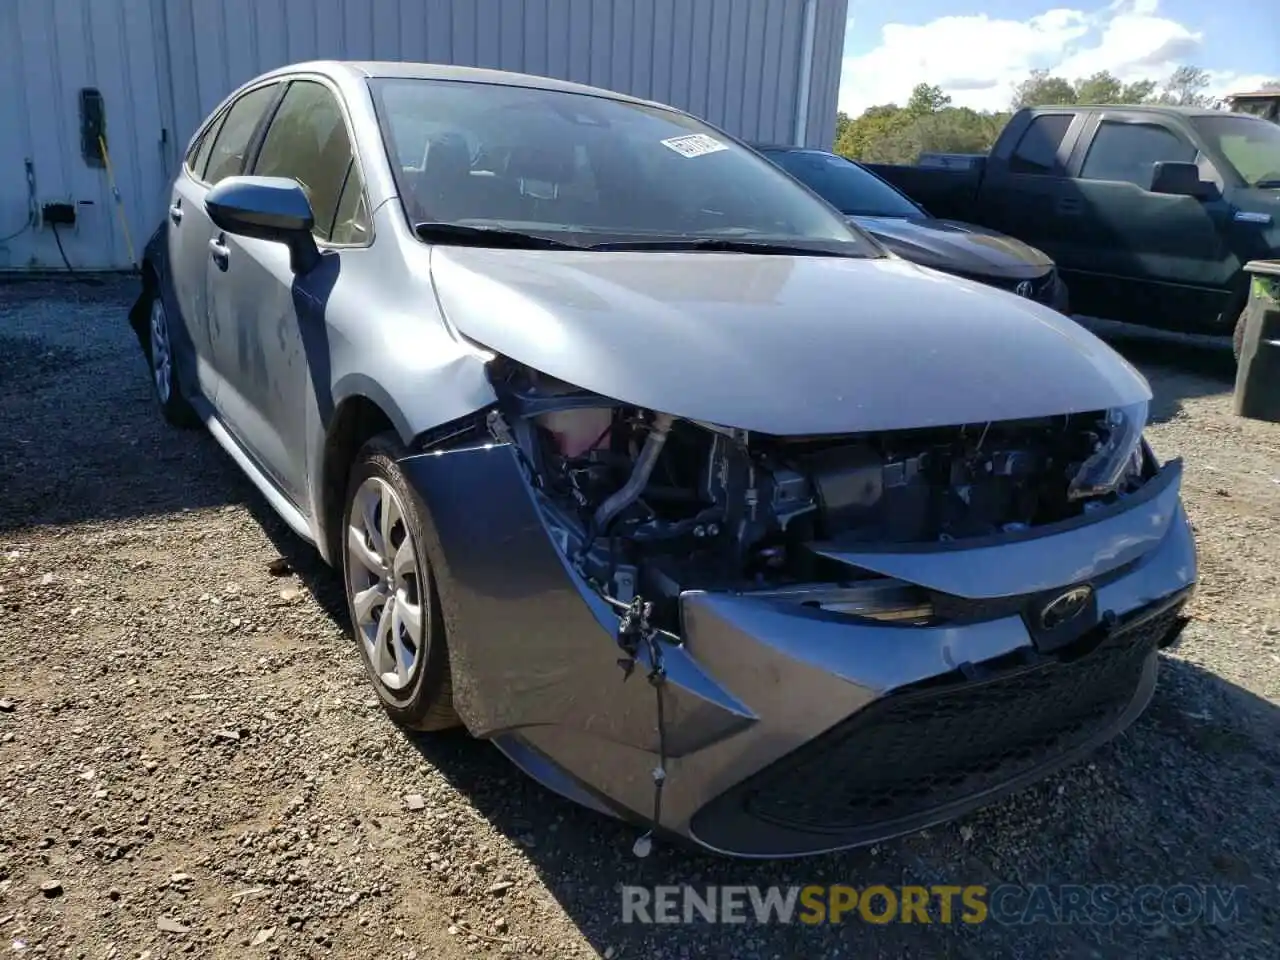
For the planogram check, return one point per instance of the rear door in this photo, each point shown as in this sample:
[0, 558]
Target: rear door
[270, 340]
[217, 153]
[1139, 256]
[1027, 194]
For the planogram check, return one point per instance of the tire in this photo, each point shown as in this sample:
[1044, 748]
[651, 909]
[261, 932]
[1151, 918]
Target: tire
[1237, 335]
[164, 372]
[405, 654]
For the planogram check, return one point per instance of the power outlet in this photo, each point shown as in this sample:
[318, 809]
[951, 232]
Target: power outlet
[57, 212]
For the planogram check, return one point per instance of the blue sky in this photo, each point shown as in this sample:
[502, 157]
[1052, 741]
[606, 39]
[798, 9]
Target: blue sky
[977, 49]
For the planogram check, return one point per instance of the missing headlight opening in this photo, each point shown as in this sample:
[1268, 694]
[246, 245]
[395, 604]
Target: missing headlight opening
[647, 504]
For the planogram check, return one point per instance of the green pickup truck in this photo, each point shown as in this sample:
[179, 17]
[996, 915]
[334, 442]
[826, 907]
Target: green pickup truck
[1149, 212]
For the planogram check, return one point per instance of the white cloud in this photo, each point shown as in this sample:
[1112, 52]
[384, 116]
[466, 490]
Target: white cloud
[978, 60]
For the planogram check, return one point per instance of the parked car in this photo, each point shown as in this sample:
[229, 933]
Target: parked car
[1150, 213]
[570, 385]
[906, 228]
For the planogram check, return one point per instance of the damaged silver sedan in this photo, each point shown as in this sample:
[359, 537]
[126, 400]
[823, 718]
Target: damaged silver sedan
[641, 463]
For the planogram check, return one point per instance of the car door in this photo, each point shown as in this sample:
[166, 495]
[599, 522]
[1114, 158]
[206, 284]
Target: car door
[216, 153]
[270, 341]
[1028, 195]
[1140, 256]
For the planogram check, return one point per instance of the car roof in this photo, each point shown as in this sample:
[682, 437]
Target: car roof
[1153, 108]
[403, 70]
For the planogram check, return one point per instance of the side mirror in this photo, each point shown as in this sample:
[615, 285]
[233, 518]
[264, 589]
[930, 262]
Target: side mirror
[267, 208]
[1179, 179]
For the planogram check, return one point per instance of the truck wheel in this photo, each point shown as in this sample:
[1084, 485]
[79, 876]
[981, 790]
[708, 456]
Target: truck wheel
[391, 592]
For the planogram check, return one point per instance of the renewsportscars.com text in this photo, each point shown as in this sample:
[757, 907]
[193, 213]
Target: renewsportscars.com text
[1095, 904]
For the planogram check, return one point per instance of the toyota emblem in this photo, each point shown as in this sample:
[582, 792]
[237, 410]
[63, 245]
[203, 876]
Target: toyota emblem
[1065, 607]
[1024, 289]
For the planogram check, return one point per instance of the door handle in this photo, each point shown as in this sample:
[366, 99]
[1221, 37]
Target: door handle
[220, 252]
[1068, 206]
[175, 212]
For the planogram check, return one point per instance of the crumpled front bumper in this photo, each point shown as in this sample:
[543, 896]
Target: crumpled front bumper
[790, 731]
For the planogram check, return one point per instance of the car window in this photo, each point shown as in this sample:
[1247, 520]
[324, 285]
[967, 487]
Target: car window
[1251, 146]
[844, 185]
[603, 169]
[198, 155]
[1126, 151]
[308, 142]
[351, 222]
[226, 158]
[1037, 150]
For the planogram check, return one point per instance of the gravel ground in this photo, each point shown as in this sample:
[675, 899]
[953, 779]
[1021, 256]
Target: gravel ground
[191, 762]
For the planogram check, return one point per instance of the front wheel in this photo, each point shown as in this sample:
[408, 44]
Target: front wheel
[391, 593]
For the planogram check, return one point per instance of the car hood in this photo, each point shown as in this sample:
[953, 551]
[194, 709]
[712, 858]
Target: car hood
[778, 344]
[963, 247]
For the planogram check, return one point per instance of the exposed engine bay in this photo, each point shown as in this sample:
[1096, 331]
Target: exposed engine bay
[650, 504]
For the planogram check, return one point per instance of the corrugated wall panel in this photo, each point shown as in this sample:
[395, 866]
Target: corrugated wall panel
[828, 51]
[49, 52]
[162, 65]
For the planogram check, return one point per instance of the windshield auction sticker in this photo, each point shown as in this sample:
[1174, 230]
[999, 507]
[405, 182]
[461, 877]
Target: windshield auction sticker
[694, 145]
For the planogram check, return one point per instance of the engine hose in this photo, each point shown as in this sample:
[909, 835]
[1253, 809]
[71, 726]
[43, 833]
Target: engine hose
[639, 478]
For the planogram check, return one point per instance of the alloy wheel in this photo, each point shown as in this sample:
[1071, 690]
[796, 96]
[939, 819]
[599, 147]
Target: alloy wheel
[385, 584]
[161, 355]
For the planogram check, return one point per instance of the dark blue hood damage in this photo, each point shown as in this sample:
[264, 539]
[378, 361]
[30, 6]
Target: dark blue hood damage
[959, 247]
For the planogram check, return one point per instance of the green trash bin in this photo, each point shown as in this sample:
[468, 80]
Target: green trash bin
[1257, 393]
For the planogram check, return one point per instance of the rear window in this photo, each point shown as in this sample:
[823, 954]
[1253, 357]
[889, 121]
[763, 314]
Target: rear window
[232, 142]
[844, 185]
[1037, 151]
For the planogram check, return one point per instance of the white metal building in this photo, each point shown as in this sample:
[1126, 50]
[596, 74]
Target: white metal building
[761, 69]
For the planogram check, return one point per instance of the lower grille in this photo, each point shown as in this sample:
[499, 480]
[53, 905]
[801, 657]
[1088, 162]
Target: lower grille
[925, 749]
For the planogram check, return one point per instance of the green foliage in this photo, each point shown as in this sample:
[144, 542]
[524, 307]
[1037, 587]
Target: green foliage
[929, 123]
[1040, 89]
[1185, 88]
[926, 99]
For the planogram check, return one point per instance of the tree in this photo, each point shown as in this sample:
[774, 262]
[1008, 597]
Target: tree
[1102, 87]
[873, 126]
[842, 124]
[889, 133]
[1185, 88]
[1040, 89]
[1140, 91]
[927, 99]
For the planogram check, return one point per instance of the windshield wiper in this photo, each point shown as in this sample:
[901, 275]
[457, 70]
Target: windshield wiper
[461, 233]
[1268, 184]
[723, 245]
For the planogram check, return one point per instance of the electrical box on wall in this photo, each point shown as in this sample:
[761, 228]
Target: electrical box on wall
[59, 212]
[93, 126]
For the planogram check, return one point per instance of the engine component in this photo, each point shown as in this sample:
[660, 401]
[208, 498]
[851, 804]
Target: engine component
[849, 482]
[646, 505]
[635, 485]
[577, 431]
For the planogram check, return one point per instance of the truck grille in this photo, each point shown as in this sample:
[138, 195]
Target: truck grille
[924, 749]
